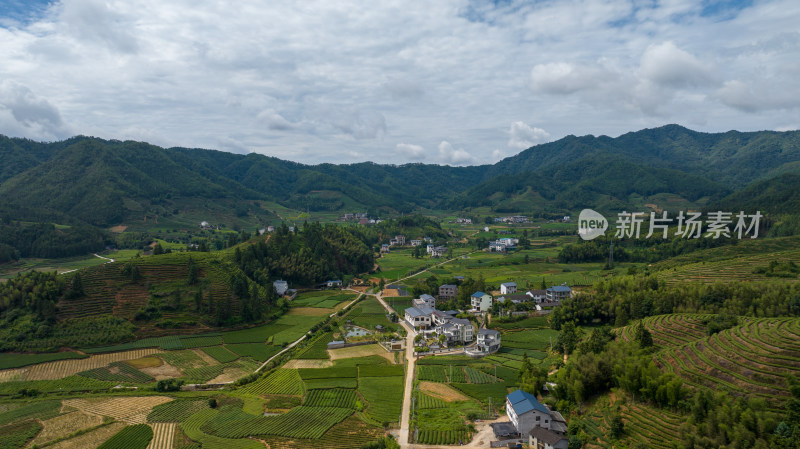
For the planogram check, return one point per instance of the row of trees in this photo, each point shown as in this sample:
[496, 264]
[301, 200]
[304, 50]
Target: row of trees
[620, 300]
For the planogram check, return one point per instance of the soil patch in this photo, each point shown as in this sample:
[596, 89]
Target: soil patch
[360, 351]
[92, 439]
[442, 391]
[63, 425]
[308, 363]
[163, 371]
[130, 410]
[206, 358]
[119, 229]
[228, 375]
[145, 362]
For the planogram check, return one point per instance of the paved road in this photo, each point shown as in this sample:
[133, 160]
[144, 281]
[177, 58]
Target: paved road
[405, 419]
[410, 369]
[301, 338]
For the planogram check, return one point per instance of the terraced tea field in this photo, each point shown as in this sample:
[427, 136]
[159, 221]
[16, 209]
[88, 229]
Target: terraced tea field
[752, 359]
[655, 428]
[671, 330]
[731, 269]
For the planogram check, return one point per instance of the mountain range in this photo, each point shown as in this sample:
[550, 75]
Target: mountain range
[105, 182]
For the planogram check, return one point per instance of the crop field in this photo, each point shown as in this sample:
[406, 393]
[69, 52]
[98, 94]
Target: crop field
[10, 360]
[130, 409]
[325, 373]
[17, 434]
[368, 313]
[220, 354]
[137, 436]
[752, 359]
[163, 433]
[350, 433]
[192, 428]
[497, 268]
[318, 349]
[93, 438]
[64, 368]
[536, 339]
[67, 384]
[175, 411]
[326, 299]
[427, 401]
[444, 436]
[300, 422]
[61, 426]
[280, 381]
[333, 397]
[258, 334]
[297, 326]
[186, 359]
[42, 410]
[256, 351]
[384, 396]
[118, 372]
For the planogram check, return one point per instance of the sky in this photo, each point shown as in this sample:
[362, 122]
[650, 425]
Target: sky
[454, 82]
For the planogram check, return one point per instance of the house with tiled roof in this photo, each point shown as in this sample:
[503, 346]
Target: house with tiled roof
[526, 412]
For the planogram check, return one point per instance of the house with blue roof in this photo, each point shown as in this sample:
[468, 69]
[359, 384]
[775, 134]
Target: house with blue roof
[481, 302]
[526, 412]
[558, 293]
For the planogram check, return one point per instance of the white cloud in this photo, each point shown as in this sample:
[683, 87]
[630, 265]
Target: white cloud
[274, 120]
[411, 151]
[329, 81]
[22, 113]
[497, 155]
[522, 136]
[668, 65]
[452, 156]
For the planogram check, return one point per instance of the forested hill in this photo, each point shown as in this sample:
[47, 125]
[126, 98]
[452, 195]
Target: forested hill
[105, 182]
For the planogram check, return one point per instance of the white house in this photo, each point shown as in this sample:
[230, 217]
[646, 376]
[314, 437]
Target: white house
[418, 317]
[481, 301]
[385, 248]
[526, 412]
[416, 242]
[270, 228]
[424, 300]
[439, 251]
[456, 330]
[334, 284]
[558, 293]
[507, 288]
[537, 295]
[430, 248]
[280, 287]
[488, 340]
